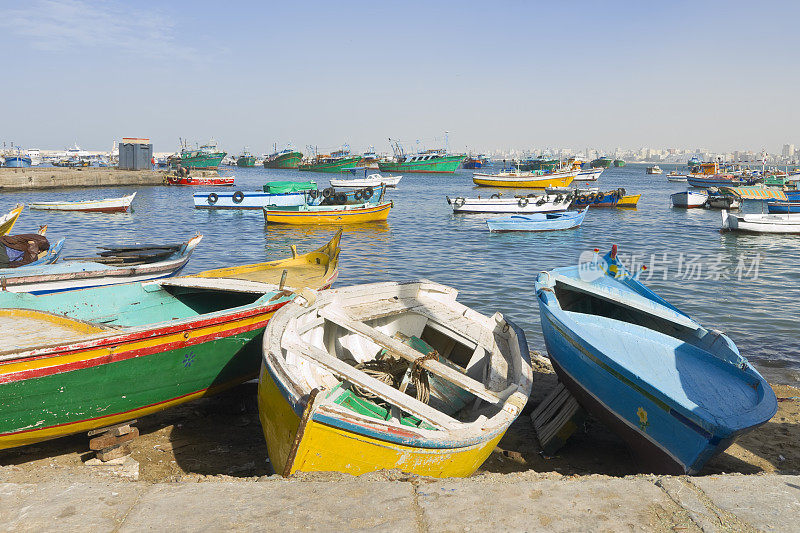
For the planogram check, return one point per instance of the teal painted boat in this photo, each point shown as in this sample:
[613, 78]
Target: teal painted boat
[676, 392]
[335, 162]
[96, 357]
[207, 157]
[283, 159]
[425, 162]
[246, 159]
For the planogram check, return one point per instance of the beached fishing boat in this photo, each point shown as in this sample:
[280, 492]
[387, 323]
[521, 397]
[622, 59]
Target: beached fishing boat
[689, 199]
[284, 159]
[515, 204]
[761, 223]
[8, 220]
[389, 376]
[629, 200]
[108, 205]
[538, 221]
[196, 180]
[112, 266]
[371, 180]
[525, 180]
[676, 392]
[75, 361]
[327, 214]
[597, 199]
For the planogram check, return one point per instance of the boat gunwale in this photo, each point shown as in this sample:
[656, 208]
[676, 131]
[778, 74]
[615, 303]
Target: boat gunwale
[467, 434]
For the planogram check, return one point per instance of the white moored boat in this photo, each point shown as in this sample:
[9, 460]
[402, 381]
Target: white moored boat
[107, 205]
[373, 180]
[589, 174]
[532, 203]
[689, 199]
[761, 223]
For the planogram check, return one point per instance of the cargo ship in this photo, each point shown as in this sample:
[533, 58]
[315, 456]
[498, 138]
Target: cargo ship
[337, 161]
[619, 163]
[601, 162]
[246, 159]
[207, 157]
[428, 161]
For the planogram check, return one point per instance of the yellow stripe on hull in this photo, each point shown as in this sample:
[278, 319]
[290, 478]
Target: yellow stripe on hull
[354, 216]
[6, 226]
[39, 435]
[324, 448]
[537, 183]
[629, 201]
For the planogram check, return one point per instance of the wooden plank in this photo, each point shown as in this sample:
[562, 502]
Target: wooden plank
[556, 419]
[395, 346]
[390, 394]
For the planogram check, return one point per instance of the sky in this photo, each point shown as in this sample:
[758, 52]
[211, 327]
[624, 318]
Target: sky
[496, 76]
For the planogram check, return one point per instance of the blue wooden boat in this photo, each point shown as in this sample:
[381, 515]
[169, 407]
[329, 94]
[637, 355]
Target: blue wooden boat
[781, 207]
[676, 392]
[538, 221]
[112, 266]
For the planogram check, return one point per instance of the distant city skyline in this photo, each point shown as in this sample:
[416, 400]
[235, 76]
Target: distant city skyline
[517, 75]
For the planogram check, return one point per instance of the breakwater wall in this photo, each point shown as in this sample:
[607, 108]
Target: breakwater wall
[58, 177]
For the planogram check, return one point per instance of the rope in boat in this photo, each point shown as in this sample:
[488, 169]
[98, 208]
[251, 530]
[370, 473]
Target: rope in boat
[392, 371]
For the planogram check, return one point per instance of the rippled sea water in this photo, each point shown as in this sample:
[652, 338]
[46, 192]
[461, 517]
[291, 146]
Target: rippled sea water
[493, 272]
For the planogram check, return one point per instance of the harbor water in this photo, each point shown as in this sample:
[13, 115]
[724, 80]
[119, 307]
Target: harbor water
[741, 284]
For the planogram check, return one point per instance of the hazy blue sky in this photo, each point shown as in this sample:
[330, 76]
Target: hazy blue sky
[721, 75]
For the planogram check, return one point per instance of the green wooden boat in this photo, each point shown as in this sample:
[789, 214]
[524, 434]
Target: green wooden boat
[283, 159]
[246, 160]
[619, 163]
[207, 157]
[75, 361]
[330, 164]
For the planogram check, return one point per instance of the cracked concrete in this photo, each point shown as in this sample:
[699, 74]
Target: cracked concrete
[518, 502]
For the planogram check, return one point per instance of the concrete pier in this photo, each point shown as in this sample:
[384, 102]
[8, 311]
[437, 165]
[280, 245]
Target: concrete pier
[58, 177]
[381, 502]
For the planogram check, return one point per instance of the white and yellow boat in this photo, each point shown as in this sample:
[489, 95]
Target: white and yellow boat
[8, 220]
[389, 375]
[527, 180]
[327, 214]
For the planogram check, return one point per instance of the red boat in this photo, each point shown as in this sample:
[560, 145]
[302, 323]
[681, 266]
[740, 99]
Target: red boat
[191, 180]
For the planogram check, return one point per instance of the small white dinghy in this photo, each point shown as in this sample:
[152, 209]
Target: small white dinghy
[389, 375]
[107, 205]
[545, 203]
[761, 223]
[689, 199]
[373, 180]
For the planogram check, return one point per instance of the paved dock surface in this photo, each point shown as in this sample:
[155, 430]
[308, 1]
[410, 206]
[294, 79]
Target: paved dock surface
[386, 502]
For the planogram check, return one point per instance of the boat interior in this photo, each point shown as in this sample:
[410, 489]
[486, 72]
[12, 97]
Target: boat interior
[466, 368]
[661, 347]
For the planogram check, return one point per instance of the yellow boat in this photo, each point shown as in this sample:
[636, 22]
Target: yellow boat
[629, 201]
[7, 221]
[526, 180]
[389, 375]
[327, 214]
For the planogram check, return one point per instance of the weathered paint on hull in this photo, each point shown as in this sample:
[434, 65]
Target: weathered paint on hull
[441, 165]
[6, 226]
[290, 161]
[246, 162]
[533, 183]
[355, 216]
[115, 379]
[325, 448]
[335, 166]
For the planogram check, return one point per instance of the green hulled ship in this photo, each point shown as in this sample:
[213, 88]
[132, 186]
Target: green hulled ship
[283, 159]
[335, 162]
[206, 157]
[429, 161]
[601, 162]
[246, 160]
[619, 162]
